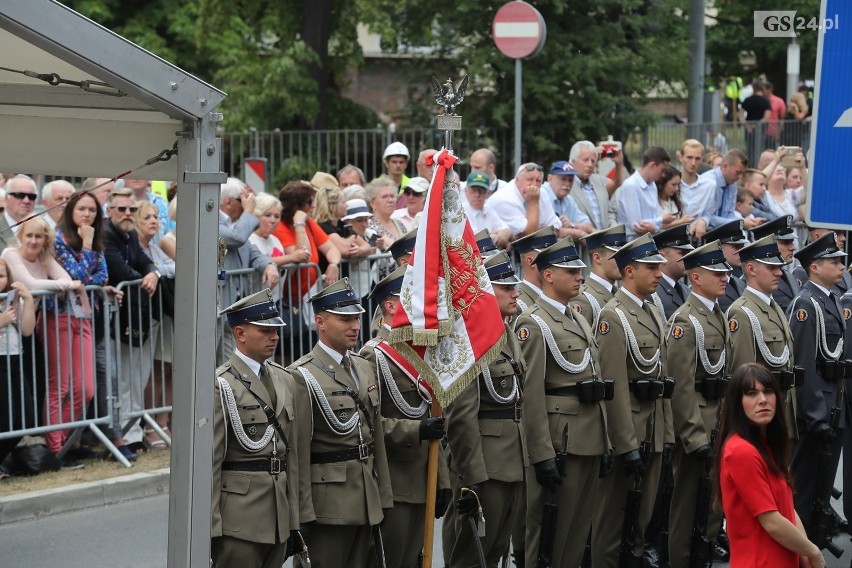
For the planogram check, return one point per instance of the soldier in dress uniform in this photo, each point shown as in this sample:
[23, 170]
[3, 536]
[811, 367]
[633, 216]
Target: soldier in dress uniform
[785, 236]
[630, 334]
[255, 466]
[817, 324]
[487, 444]
[845, 283]
[846, 307]
[400, 251]
[730, 235]
[406, 423]
[697, 358]
[759, 331]
[564, 403]
[349, 483]
[599, 287]
[526, 248]
[672, 243]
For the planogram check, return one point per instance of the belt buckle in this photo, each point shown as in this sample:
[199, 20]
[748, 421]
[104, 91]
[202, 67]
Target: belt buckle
[275, 466]
[363, 452]
[519, 411]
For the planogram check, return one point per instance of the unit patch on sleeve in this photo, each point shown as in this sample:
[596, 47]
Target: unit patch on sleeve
[801, 315]
[603, 327]
[733, 325]
[523, 333]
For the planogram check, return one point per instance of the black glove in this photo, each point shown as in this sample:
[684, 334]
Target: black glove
[632, 462]
[702, 452]
[667, 453]
[824, 433]
[547, 475]
[606, 465]
[468, 503]
[442, 502]
[305, 529]
[294, 544]
[432, 428]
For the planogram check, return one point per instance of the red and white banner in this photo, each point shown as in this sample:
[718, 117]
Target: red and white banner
[448, 324]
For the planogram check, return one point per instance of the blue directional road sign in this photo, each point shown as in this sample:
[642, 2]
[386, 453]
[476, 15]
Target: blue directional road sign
[829, 202]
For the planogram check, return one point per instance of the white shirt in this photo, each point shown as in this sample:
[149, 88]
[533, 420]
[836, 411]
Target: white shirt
[483, 219]
[639, 302]
[707, 303]
[404, 218]
[338, 358]
[760, 294]
[11, 222]
[558, 305]
[669, 279]
[638, 203]
[508, 203]
[251, 363]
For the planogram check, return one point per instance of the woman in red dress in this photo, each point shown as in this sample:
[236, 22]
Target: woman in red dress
[753, 473]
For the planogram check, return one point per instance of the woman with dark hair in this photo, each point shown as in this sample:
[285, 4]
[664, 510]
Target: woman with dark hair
[298, 230]
[753, 476]
[668, 199]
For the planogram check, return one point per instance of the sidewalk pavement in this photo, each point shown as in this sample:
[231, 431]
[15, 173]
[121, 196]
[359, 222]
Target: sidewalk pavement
[36, 504]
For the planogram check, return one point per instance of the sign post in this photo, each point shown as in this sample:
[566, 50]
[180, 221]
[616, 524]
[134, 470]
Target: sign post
[519, 32]
[829, 198]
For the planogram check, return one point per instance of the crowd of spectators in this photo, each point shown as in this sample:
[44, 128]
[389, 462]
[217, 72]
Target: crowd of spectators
[332, 226]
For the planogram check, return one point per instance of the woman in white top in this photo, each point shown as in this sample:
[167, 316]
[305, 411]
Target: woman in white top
[778, 199]
[267, 209]
[148, 228]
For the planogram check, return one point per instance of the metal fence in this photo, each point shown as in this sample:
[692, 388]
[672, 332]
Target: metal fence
[297, 154]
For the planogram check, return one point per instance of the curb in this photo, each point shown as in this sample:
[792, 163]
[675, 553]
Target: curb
[38, 504]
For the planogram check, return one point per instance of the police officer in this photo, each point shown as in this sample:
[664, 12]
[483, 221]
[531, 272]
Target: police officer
[730, 235]
[486, 441]
[630, 338]
[255, 467]
[759, 331]
[785, 236]
[526, 248]
[817, 324]
[698, 360]
[846, 307]
[349, 483]
[599, 287]
[672, 243]
[563, 410]
[407, 424]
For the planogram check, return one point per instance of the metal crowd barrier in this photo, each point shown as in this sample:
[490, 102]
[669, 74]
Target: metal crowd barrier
[62, 344]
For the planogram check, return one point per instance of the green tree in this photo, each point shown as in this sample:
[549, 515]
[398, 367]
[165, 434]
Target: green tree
[733, 37]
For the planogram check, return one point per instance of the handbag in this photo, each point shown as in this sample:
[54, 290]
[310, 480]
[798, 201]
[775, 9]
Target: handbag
[136, 315]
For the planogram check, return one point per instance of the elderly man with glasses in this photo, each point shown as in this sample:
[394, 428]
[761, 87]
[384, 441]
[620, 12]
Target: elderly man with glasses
[20, 201]
[519, 203]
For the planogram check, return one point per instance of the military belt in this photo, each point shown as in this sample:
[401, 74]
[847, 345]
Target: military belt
[513, 413]
[272, 466]
[360, 452]
[832, 370]
[790, 379]
[651, 389]
[713, 388]
[590, 391]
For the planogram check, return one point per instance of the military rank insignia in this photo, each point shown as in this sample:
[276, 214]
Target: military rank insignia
[577, 308]
[603, 327]
[523, 334]
[733, 325]
[801, 315]
[847, 313]
[677, 331]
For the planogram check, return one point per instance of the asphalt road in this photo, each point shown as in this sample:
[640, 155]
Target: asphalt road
[134, 535]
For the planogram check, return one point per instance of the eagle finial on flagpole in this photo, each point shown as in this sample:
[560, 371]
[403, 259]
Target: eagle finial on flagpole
[450, 97]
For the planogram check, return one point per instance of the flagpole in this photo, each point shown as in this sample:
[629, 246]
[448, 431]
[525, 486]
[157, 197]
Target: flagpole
[431, 488]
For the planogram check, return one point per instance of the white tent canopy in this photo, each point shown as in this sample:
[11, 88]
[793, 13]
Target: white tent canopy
[66, 130]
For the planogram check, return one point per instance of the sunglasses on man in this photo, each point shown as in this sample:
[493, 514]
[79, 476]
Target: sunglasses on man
[23, 195]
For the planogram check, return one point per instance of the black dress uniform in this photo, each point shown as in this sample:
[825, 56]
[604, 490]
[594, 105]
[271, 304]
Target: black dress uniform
[731, 234]
[697, 358]
[596, 291]
[487, 447]
[564, 397]
[846, 312]
[818, 327]
[349, 483]
[672, 295]
[630, 339]
[255, 466]
[788, 286]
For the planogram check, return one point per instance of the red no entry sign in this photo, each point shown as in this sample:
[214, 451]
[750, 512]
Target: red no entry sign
[518, 30]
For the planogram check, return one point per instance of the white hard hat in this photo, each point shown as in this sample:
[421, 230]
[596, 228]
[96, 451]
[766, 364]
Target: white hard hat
[396, 149]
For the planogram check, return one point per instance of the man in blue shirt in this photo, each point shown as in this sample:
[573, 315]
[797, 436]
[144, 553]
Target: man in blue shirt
[557, 188]
[638, 204]
[721, 209]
